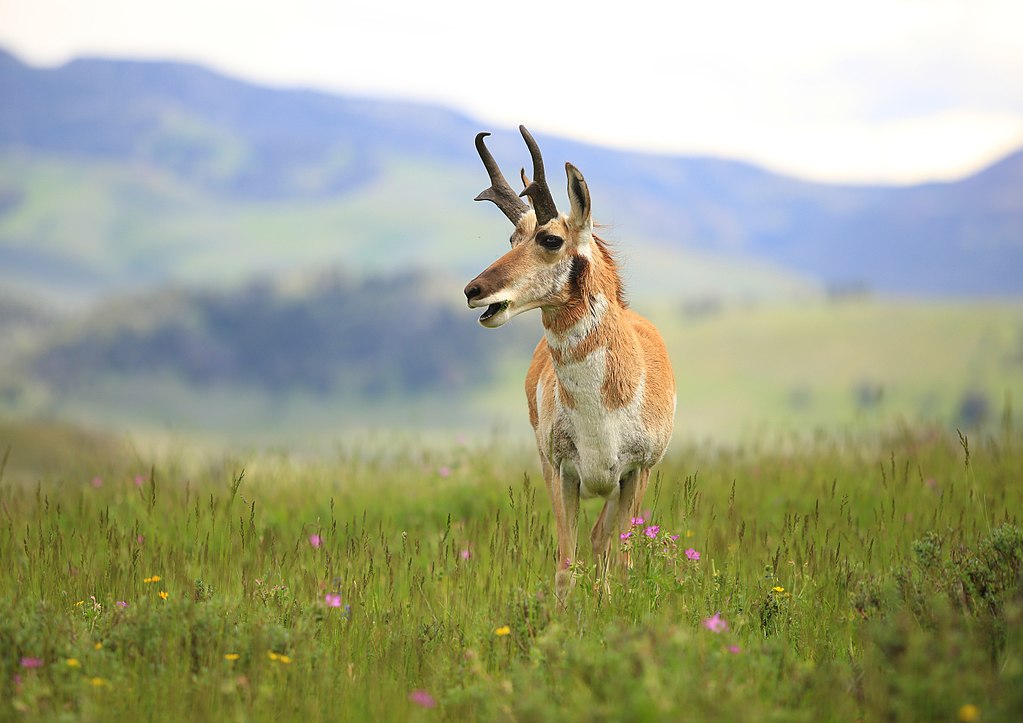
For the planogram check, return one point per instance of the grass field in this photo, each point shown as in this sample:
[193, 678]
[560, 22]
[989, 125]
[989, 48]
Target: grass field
[872, 577]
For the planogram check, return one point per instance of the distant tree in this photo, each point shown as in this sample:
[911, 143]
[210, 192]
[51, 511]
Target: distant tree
[369, 338]
[974, 409]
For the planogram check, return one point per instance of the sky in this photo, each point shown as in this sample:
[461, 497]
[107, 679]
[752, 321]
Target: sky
[889, 91]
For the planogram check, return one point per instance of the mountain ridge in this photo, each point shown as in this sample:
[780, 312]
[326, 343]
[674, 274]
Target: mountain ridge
[242, 151]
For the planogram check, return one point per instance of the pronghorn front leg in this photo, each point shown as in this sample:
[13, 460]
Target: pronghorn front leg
[601, 535]
[565, 498]
[618, 512]
[633, 488]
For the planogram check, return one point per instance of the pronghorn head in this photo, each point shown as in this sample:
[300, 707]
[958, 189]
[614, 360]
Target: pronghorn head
[549, 250]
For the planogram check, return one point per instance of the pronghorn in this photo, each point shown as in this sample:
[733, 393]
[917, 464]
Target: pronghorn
[600, 388]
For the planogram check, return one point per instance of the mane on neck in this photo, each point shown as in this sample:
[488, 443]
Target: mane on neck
[605, 276]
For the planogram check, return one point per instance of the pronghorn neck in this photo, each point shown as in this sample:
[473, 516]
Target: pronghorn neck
[590, 310]
[592, 288]
[575, 325]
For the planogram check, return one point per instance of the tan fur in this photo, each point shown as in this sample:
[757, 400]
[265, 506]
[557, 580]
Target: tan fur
[600, 388]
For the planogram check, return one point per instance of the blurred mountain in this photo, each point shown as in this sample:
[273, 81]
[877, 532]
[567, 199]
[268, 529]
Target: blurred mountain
[321, 335]
[118, 175]
[351, 349]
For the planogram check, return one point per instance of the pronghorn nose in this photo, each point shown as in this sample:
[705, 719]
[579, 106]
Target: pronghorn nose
[472, 291]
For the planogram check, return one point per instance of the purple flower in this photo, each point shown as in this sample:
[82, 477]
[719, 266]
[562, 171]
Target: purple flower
[31, 663]
[715, 623]
[139, 479]
[466, 554]
[734, 649]
[333, 601]
[625, 535]
[97, 482]
[652, 531]
[422, 698]
[121, 604]
[637, 521]
[692, 554]
[444, 471]
[315, 541]
[673, 538]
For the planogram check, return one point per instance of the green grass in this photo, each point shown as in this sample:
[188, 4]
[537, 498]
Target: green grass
[861, 577]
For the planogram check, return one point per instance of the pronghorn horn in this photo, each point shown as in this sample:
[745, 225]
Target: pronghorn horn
[538, 191]
[499, 192]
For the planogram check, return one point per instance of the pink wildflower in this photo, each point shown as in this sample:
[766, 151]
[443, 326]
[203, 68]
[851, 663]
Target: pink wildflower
[139, 479]
[315, 541]
[444, 471]
[734, 649]
[121, 604]
[422, 698]
[97, 482]
[466, 554]
[637, 521]
[625, 535]
[652, 531]
[31, 663]
[715, 623]
[692, 554]
[333, 601]
[673, 538]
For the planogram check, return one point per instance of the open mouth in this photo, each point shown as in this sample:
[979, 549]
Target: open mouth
[493, 310]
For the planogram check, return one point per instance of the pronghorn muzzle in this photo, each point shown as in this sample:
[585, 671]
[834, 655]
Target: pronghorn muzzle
[482, 292]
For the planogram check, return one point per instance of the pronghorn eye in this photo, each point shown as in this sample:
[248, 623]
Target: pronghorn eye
[550, 241]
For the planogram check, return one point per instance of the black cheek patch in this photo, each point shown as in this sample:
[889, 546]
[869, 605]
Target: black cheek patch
[579, 265]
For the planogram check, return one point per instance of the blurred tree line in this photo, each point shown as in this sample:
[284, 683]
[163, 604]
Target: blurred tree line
[367, 337]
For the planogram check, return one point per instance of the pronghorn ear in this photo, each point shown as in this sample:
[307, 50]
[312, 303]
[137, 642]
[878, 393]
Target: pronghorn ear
[579, 197]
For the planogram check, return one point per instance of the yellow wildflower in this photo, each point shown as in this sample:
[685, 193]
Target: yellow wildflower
[503, 630]
[154, 578]
[80, 602]
[232, 657]
[778, 588]
[969, 712]
[98, 646]
[283, 659]
[73, 662]
[690, 533]
[272, 655]
[98, 682]
[164, 594]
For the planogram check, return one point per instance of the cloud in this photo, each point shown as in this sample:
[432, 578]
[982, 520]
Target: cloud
[895, 90]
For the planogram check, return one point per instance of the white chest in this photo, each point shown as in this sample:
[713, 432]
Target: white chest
[605, 444]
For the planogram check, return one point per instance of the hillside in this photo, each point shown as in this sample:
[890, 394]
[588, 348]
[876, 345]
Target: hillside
[115, 175]
[301, 359]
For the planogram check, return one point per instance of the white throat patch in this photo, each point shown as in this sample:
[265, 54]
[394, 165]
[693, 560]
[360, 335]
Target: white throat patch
[581, 329]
